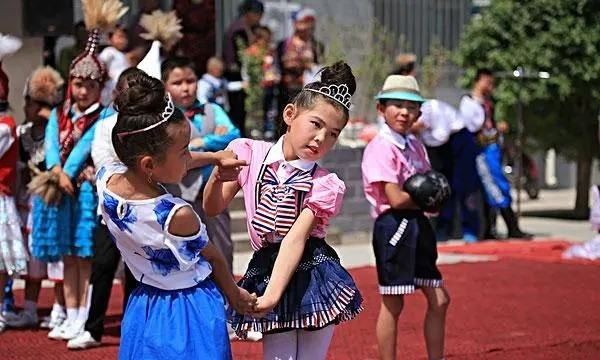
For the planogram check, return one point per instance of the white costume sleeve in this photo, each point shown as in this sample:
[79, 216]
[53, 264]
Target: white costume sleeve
[438, 118]
[103, 152]
[6, 139]
[471, 113]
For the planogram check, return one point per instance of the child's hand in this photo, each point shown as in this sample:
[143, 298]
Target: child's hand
[245, 301]
[228, 166]
[64, 182]
[221, 130]
[263, 306]
[197, 143]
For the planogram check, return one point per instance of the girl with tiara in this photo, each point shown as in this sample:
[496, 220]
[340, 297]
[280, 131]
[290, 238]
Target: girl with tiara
[303, 290]
[176, 311]
[64, 224]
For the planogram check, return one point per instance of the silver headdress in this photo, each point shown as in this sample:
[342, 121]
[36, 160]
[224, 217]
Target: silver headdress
[166, 114]
[339, 93]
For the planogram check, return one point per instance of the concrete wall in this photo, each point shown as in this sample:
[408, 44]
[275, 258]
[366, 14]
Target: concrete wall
[20, 65]
[345, 162]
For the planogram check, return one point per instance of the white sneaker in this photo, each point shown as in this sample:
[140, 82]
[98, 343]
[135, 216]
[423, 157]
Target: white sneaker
[56, 318]
[82, 342]
[57, 332]
[2, 323]
[73, 330]
[25, 319]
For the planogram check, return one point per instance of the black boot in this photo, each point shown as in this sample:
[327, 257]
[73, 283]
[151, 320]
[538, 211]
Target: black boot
[514, 232]
[489, 226]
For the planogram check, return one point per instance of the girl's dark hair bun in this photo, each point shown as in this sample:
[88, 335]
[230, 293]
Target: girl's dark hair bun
[339, 73]
[144, 95]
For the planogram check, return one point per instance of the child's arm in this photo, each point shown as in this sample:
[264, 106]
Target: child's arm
[185, 223]
[290, 253]
[203, 91]
[398, 198]
[219, 192]
[80, 153]
[214, 142]
[52, 149]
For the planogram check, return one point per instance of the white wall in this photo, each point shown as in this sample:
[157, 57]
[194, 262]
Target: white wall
[20, 65]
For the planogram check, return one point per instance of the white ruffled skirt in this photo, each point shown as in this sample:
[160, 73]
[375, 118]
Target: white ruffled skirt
[13, 253]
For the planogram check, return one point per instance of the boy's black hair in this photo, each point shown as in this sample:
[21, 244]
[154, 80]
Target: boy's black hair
[483, 72]
[175, 62]
[118, 27]
[253, 6]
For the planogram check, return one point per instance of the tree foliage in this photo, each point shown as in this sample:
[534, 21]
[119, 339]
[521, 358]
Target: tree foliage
[561, 37]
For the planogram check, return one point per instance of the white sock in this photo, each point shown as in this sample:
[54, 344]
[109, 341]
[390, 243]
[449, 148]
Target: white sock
[30, 306]
[58, 308]
[72, 314]
[82, 314]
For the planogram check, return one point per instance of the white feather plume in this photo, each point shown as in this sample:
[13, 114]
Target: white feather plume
[9, 45]
[162, 26]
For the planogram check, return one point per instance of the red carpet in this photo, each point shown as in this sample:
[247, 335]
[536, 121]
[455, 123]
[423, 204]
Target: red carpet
[515, 308]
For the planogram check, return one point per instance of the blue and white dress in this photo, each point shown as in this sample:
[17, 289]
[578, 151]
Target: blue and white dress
[176, 312]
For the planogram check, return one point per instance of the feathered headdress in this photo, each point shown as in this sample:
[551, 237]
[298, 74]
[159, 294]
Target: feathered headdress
[8, 45]
[99, 15]
[45, 86]
[164, 28]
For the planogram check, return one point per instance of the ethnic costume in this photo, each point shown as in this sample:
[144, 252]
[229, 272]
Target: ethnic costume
[66, 226]
[13, 254]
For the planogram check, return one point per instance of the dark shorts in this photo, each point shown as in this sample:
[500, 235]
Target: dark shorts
[405, 252]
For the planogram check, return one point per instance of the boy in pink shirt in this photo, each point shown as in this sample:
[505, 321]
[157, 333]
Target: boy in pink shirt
[400, 187]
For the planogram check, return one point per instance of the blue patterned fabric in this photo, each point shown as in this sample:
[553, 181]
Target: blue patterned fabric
[495, 184]
[175, 324]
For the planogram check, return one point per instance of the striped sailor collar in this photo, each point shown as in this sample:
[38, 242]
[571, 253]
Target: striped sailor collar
[276, 155]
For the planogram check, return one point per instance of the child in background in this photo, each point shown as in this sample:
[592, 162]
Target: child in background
[64, 224]
[176, 311]
[13, 253]
[213, 87]
[403, 240]
[213, 132]
[43, 91]
[304, 291]
[261, 49]
[115, 60]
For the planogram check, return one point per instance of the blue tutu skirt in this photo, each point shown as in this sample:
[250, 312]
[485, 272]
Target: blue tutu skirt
[66, 228]
[175, 324]
[320, 293]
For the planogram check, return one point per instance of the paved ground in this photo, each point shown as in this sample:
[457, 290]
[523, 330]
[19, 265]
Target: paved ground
[526, 304]
[510, 300]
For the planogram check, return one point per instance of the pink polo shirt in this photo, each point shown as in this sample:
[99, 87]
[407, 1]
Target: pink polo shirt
[324, 198]
[390, 158]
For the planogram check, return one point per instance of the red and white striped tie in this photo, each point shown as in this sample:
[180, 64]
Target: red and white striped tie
[276, 210]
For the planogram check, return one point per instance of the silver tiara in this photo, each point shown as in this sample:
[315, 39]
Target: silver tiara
[339, 93]
[166, 114]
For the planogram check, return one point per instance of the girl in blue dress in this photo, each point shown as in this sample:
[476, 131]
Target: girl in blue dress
[63, 226]
[177, 310]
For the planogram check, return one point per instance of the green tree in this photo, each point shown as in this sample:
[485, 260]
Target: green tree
[558, 36]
